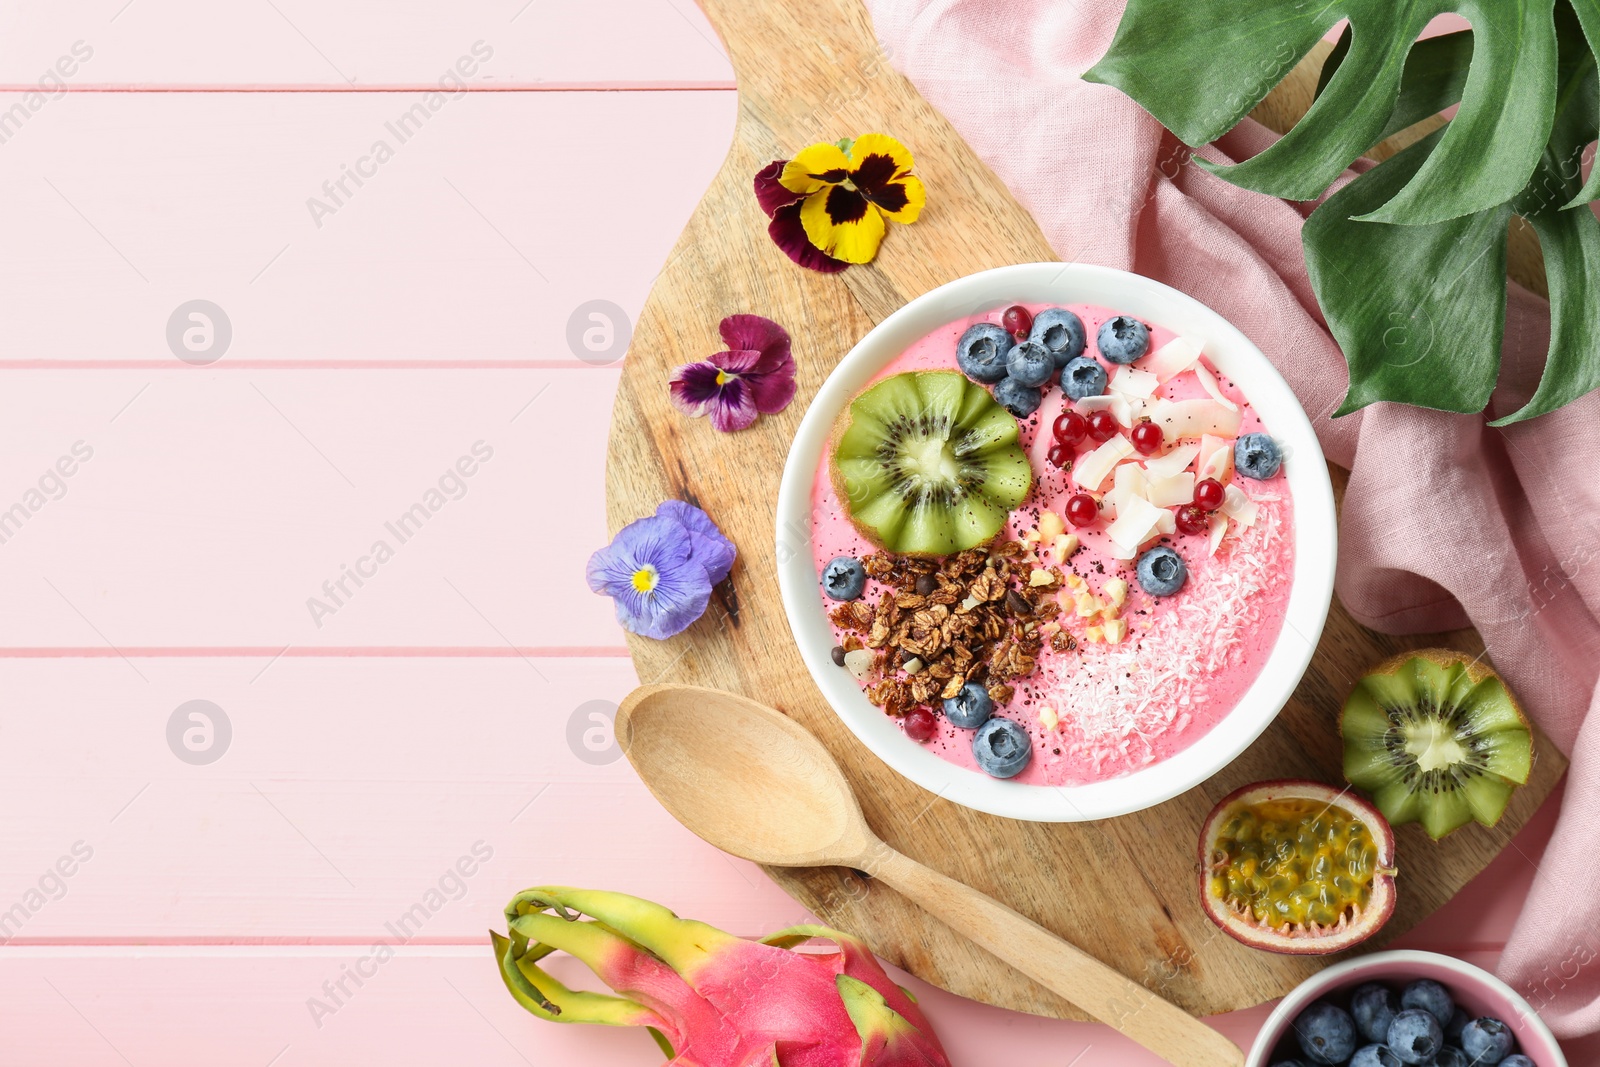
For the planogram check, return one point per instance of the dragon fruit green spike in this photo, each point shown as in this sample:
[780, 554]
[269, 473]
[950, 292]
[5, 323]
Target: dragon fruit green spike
[709, 998]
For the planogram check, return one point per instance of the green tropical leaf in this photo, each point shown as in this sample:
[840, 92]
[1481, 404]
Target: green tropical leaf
[1408, 260]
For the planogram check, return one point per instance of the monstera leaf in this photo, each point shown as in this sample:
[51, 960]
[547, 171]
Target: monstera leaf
[1408, 260]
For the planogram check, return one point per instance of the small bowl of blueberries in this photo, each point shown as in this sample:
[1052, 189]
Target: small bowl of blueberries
[1404, 1009]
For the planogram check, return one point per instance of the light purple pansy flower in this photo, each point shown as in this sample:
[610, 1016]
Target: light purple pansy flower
[754, 376]
[659, 570]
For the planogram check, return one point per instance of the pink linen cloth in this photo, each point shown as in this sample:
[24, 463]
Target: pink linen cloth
[1446, 521]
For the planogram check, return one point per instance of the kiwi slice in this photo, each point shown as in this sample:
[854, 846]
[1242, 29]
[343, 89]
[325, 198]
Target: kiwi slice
[1436, 738]
[926, 464]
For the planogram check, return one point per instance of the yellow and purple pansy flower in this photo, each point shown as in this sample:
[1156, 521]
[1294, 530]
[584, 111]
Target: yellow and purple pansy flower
[829, 205]
[754, 376]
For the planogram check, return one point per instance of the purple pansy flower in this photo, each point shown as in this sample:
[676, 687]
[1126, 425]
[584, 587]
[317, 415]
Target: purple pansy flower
[659, 570]
[786, 229]
[755, 375]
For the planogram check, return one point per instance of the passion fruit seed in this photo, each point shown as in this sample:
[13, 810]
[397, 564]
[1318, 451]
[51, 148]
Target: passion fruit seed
[1293, 862]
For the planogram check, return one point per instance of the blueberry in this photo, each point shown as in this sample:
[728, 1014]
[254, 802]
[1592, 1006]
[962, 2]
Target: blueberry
[1162, 571]
[1083, 377]
[1453, 1028]
[1428, 995]
[1061, 332]
[1415, 1036]
[1374, 1007]
[1255, 455]
[1374, 1056]
[1487, 1041]
[1123, 339]
[1002, 748]
[1327, 1033]
[981, 352]
[1519, 1060]
[1021, 400]
[1030, 364]
[969, 708]
[844, 578]
[1452, 1057]
[1289, 1063]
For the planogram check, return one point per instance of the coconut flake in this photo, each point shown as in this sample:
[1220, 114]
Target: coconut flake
[1173, 462]
[1088, 405]
[1194, 418]
[1165, 492]
[1239, 507]
[1216, 459]
[1137, 521]
[1209, 380]
[1134, 383]
[1091, 470]
[1127, 481]
[1172, 358]
[1219, 526]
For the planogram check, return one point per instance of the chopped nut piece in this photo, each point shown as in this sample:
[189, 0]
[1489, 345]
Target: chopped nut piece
[1088, 605]
[1051, 526]
[1074, 582]
[1115, 630]
[1116, 591]
[1048, 717]
[1039, 577]
[1066, 545]
[914, 665]
[1031, 534]
[1092, 634]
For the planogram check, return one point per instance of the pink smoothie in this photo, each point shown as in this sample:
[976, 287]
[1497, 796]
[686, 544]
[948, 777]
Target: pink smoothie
[1186, 659]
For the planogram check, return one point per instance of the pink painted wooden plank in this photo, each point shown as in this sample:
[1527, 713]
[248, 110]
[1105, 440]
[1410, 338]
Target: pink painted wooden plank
[101, 1007]
[236, 509]
[362, 44]
[483, 230]
[346, 789]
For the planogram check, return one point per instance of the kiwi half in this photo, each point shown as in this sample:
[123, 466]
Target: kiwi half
[928, 464]
[1436, 738]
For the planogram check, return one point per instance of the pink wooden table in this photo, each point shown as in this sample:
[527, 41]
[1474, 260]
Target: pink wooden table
[224, 910]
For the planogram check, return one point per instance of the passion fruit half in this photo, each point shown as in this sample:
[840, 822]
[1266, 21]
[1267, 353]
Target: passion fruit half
[1297, 866]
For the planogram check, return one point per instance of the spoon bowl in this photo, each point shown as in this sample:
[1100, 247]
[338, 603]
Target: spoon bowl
[755, 783]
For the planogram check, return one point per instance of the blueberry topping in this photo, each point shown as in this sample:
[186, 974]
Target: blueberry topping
[1453, 1028]
[1519, 1060]
[1162, 571]
[1451, 1057]
[981, 352]
[1415, 1037]
[844, 578]
[1083, 377]
[1030, 364]
[1002, 748]
[1255, 455]
[1487, 1041]
[1326, 1033]
[1374, 1007]
[969, 708]
[1123, 339]
[1060, 332]
[1021, 400]
[1374, 1056]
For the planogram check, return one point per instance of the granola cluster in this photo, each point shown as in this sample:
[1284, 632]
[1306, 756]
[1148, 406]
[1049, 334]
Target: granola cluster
[976, 616]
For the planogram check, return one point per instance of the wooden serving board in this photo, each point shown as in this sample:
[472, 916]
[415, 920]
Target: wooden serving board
[1123, 889]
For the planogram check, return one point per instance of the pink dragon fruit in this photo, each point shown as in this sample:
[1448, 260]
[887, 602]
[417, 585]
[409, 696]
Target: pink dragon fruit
[709, 998]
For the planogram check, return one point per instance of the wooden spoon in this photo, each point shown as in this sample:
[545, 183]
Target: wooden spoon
[756, 784]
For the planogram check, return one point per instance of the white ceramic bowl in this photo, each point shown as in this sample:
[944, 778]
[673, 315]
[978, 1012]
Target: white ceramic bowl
[1237, 358]
[1475, 989]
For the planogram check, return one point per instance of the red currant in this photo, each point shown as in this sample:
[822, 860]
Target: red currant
[1060, 455]
[1102, 427]
[920, 725]
[1082, 509]
[1017, 321]
[1070, 427]
[1193, 520]
[1209, 494]
[1147, 438]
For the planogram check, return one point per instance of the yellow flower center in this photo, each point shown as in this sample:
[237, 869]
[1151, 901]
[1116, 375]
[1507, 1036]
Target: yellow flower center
[645, 578]
[723, 377]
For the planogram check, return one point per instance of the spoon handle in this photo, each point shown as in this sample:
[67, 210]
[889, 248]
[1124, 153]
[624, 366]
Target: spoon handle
[1108, 995]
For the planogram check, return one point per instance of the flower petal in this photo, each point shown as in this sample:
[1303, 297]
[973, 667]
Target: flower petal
[694, 386]
[682, 588]
[753, 332]
[843, 224]
[789, 234]
[771, 393]
[815, 168]
[707, 543]
[770, 193]
[901, 200]
[738, 361]
[878, 158]
[735, 407]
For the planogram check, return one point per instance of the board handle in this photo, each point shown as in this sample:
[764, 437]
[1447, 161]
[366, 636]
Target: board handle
[1107, 994]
